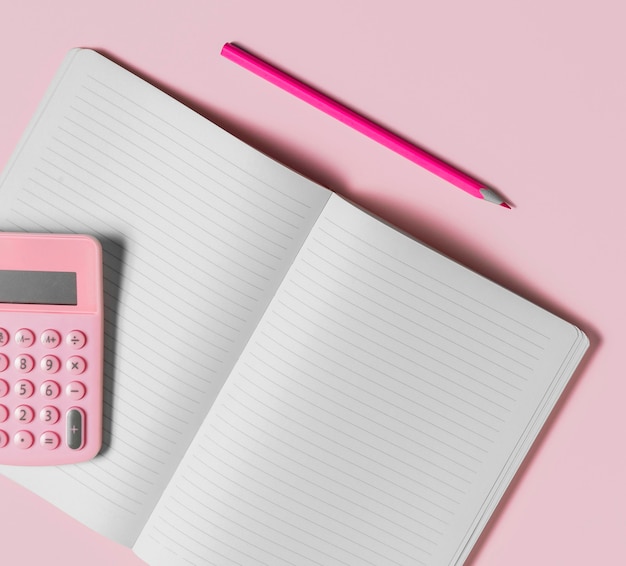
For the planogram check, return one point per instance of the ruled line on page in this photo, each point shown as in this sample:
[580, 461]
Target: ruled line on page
[136, 256]
[441, 283]
[332, 486]
[187, 165]
[265, 488]
[161, 218]
[380, 384]
[226, 526]
[425, 346]
[118, 503]
[232, 498]
[195, 518]
[186, 537]
[351, 469]
[200, 486]
[187, 207]
[200, 559]
[204, 146]
[492, 333]
[335, 441]
[356, 357]
[182, 172]
[369, 408]
[339, 434]
[119, 165]
[335, 282]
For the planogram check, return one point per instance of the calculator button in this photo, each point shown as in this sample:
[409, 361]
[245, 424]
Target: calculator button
[4, 362]
[4, 337]
[23, 439]
[24, 388]
[24, 414]
[4, 413]
[75, 390]
[50, 364]
[50, 389]
[75, 421]
[4, 388]
[76, 365]
[49, 415]
[49, 440]
[4, 439]
[24, 338]
[50, 338]
[24, 363]
[76, 339]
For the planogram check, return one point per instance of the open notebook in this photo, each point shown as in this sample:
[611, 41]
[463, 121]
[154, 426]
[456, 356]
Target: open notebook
[288, 379]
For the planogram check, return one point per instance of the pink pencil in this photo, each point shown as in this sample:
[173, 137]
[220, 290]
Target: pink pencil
[361, 124]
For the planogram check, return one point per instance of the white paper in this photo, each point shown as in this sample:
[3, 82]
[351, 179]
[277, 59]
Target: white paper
[194, 248]
[380, 399]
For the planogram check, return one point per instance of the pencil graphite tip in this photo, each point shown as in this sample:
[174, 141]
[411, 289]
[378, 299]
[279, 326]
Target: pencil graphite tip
[491, 196]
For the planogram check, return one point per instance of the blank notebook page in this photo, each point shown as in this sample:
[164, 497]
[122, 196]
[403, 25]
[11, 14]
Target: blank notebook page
[194, 248]
[377, 403]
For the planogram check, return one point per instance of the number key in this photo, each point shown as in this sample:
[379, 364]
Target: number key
[24, 363]
[50, 364]
[50, 389]
[24, 414]
[24, 388]
[49, 415]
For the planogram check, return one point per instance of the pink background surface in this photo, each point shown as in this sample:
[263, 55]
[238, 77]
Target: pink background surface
[528, 96]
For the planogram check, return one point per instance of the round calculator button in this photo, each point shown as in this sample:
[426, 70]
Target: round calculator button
[23, 439]
[76, 365]
[24, 338]
[49, 415]
[49, 440]
[50, 364]
[24, 388]
[50, 338]
[4, 337]
[75, 390]
[24, 363]
[4, 362]
[76, 339]
[4, 388]
[4, 439]
[24, 414]
[4, 413]
[50, 389]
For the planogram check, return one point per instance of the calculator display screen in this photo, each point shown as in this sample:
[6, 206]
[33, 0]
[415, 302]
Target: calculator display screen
[38, 287]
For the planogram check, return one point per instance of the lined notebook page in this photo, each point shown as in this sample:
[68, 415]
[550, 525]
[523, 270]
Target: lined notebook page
[372, 411]
[194, 247]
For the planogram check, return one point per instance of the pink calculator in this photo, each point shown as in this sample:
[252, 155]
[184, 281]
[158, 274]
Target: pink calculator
[51, 348]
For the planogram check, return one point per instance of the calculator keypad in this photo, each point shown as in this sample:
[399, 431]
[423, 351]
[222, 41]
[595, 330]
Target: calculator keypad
[44, 376]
